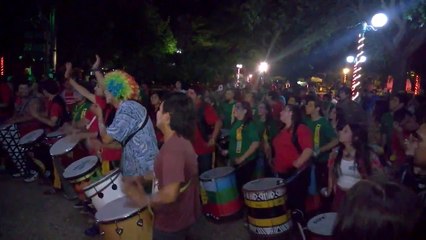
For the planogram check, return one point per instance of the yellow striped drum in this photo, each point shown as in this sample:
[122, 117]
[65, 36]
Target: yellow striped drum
[268, 217]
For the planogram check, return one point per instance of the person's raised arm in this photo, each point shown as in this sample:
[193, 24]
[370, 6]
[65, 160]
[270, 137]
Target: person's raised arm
[95, 68]
[83, 91]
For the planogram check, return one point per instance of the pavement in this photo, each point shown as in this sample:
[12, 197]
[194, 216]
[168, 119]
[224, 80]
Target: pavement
[27, 214]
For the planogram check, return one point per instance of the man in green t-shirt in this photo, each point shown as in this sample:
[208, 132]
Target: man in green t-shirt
[325, 139]
[227, 108]
[79, 110]
[396, 102]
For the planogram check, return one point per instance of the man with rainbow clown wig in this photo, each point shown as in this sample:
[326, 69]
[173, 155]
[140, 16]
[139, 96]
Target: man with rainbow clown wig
[131, 126]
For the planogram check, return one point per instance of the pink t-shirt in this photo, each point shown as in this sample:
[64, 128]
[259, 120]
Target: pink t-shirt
[177, 162]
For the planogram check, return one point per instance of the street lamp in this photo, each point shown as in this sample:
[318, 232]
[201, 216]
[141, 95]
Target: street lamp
[263, 67]
[345, 74]
[379, 20]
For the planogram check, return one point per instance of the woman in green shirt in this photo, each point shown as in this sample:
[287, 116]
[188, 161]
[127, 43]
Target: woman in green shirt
[267, 129]
[243, 143]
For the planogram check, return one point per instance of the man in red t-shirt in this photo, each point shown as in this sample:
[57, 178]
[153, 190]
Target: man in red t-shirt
[176, 205]
[56, 114]
[206, 130]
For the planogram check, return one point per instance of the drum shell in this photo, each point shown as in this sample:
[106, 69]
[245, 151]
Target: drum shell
[129, 224]
[268, 216]
[104, 185]
[220, 197]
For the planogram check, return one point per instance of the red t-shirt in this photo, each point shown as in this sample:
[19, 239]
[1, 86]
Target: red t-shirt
[211, 118]
[276, 108]
[107, 154]
[285, 151]
[177, 163]
[5, 97]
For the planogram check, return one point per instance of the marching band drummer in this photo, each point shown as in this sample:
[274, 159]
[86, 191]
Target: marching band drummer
[131, 126]
[109, 154]
[25, 103]
[176, 205]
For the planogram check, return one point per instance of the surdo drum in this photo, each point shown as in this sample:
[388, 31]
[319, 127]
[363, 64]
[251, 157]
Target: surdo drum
[105, 190]
[31, 138]
[219, 194]
[322, 226]
[82, 172]
[268, 216]
[119, 219]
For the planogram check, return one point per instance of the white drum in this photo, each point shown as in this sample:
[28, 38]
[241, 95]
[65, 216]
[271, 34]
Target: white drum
[120, 219]
[105, 190]
[64, 145]
[323, 224]
[31, 137]
[82, 169]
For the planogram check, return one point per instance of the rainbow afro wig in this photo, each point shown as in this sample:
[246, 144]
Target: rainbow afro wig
[121, 85]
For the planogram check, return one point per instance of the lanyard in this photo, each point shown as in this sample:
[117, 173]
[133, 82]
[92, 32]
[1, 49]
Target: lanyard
[239, 138]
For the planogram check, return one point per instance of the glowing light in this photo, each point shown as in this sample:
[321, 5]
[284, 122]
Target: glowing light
[379, 20]
[263, 67]
[417, 85]
[362, 59]
[346, 70]
[2, 66]
[239, 65]
[179, 51]
[350, 59]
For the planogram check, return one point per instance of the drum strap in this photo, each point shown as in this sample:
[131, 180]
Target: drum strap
[185, 187]
[124, 143]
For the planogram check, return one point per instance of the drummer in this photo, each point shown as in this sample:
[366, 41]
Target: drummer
[56, 114]
[25, 103]
[131, 126]
[176, 205]
[109, 154]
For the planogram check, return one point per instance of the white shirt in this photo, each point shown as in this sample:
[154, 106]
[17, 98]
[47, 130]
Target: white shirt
[349, 174]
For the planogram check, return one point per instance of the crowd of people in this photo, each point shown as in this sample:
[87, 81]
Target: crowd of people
[330, 150]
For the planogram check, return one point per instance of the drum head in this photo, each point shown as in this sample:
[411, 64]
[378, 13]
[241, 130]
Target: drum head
[216, 173]
[55, 134]
[80, 167]
[106, 177]
[63, 146]
[323, 224]
[31, 137]
[118, 209]
[263, 184]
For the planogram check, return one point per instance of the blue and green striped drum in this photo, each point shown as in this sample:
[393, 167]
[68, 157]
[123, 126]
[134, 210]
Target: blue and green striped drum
[219, 194]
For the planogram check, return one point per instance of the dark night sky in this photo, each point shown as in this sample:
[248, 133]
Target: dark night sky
[82, 23]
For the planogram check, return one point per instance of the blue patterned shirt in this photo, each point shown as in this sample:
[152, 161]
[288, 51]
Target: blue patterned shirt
[139, 153]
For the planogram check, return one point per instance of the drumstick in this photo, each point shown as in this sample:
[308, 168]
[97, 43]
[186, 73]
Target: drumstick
[91, 122]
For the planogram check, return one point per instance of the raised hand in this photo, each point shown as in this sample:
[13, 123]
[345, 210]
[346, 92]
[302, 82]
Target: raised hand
[97, 62]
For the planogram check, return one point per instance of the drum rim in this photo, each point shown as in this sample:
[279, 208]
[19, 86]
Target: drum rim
[90, 171]
[283, 184]
[35, 140]
[115, 173]
[216, 177]
[62, 139]
[57, 136]
[309, 223]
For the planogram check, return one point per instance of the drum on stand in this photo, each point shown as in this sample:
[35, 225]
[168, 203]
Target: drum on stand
[105, 190]
[219, 193]
[65, 148]
[268, 216]
[120, 219]
[31, 138]
[82, 173]
[321, 226]
[53, 137]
